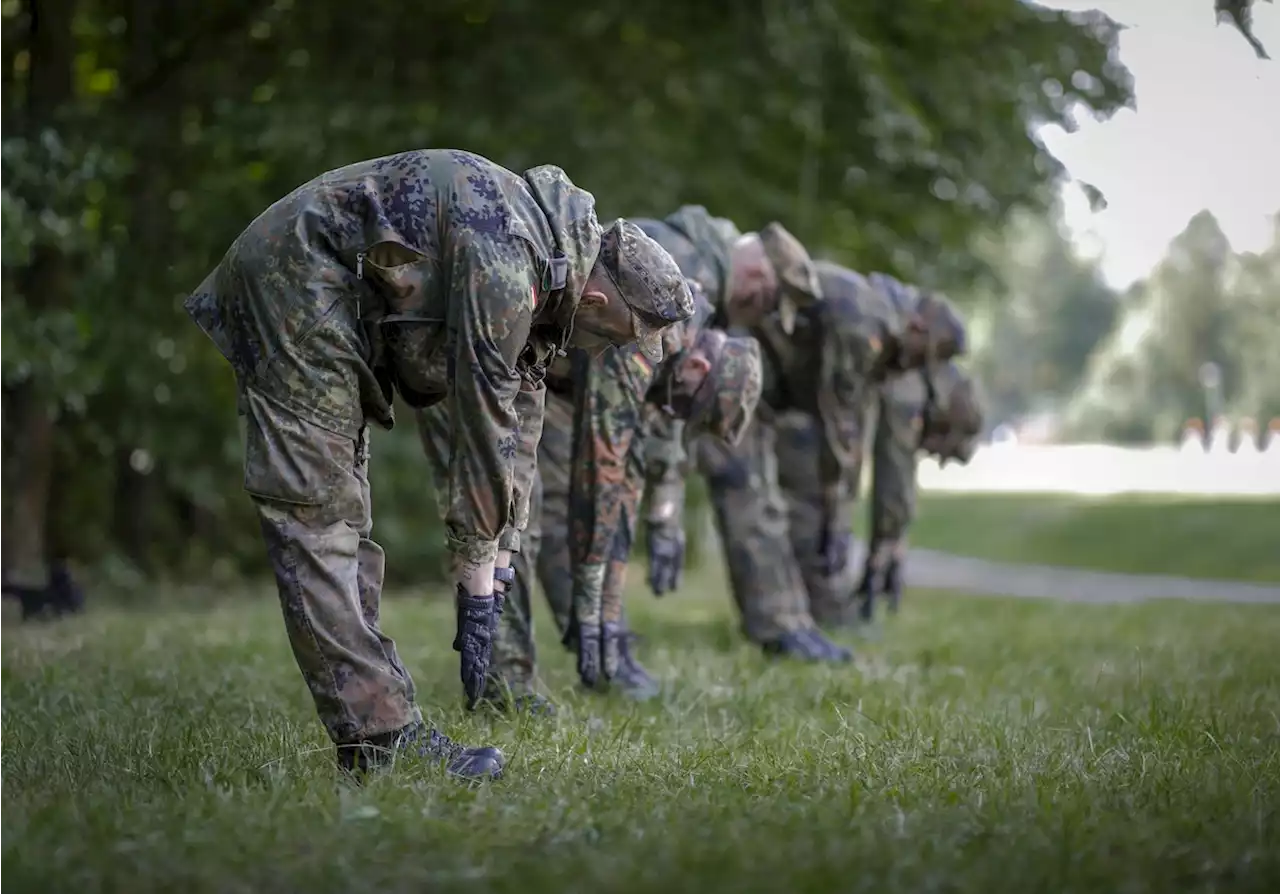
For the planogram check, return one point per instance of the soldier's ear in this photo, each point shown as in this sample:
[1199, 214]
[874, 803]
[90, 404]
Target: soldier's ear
[697, 363]
[594, 298]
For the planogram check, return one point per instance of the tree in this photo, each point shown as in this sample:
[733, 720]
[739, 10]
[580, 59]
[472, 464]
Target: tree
[148, 133]
[1032, 344]
[1202, 304]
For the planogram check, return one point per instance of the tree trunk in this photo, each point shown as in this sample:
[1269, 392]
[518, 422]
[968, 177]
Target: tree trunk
[46, 285]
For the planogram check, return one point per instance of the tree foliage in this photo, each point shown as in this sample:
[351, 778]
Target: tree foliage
[141, 135]
[1034, 338]
[1202, 304]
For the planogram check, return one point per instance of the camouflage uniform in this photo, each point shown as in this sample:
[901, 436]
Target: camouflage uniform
[393, 275]
[898, 406]
[742, 479]
[822, 371]
[900, 412]
[945, 421]
[591, 477]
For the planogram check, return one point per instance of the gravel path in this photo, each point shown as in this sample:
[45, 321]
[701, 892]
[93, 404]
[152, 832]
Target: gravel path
[928, 569]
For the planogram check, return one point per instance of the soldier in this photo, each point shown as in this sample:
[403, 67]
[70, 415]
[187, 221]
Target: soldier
[444, 277]
[842, 346]
[744, 288]
[949, 430]
[62, 595]
[591, 476]
[938, 413]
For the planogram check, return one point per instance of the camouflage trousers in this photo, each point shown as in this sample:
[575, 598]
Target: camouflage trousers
[311, 490]
[544, 545]
[754, 527]
[798, 451]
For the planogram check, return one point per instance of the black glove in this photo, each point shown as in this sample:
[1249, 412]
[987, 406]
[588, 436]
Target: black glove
[598, 649]
[834, 546]
[867, 591]
[477, 629]
[882, 574]
[893, 584]
[666, 558]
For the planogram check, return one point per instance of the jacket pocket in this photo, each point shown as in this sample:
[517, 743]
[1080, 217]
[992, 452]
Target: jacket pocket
[405, 277]
[288, 459]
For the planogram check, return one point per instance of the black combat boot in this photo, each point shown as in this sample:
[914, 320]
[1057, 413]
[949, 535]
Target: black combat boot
[807, 645]
[418, 741]
[632, 679]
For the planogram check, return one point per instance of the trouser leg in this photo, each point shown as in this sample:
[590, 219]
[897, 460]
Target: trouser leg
[310, 488]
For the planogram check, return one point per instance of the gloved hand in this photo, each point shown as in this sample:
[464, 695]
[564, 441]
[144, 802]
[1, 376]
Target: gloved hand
[882, 574]
[477, 628]
[893, 584]
[595, 640]
[867, 588]
[666, 558]
[834, 545]
[598, 648]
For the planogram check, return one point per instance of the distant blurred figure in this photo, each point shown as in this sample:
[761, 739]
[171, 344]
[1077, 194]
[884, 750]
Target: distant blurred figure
[1220, 436]
[1247, 437]
[1193, 436]
[61, 596]
[1271, 441]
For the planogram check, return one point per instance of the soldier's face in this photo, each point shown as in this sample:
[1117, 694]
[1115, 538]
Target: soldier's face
[693, 370]
[602, 323]
[753, 289]
[913, 352]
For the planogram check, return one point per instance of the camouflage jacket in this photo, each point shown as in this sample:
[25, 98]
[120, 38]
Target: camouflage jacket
[899, 418]
[607, 474]
[395, 274]
[830, 365]
[700, 245]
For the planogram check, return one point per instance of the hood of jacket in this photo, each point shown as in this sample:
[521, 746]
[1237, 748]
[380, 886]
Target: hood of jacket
[570, 213]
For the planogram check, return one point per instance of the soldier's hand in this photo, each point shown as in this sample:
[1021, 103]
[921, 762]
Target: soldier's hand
[589, 654]
[835, 546]
[599, 652]
[867, 590]
[666, 558]
[893, 583]
[477, 627]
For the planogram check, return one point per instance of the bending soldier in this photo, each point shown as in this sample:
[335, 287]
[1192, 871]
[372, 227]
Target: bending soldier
[751, 282]
[947, 426]
[444, 277]
[938, 414]
[591, 476]
[841, 348]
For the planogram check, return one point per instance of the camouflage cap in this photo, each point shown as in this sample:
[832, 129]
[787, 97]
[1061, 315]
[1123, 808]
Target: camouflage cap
[680, 337]
[724, 404]
[902, 297]
[953, 417]
[649, 282]
[944, 326]
[798, 284]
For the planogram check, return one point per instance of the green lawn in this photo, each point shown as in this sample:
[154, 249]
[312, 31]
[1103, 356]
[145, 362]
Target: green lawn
[982, 745]
[1219, 539]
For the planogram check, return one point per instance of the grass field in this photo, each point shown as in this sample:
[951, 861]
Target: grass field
[982, 745]
[1192, 537]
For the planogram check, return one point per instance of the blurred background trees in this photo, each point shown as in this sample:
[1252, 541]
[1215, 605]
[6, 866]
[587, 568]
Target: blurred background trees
[140, 136]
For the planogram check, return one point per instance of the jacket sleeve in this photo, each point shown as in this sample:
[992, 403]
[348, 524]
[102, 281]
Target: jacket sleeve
[844, 389]
[610, 391]
[492, 283]
[893, 474]
[665, 467]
